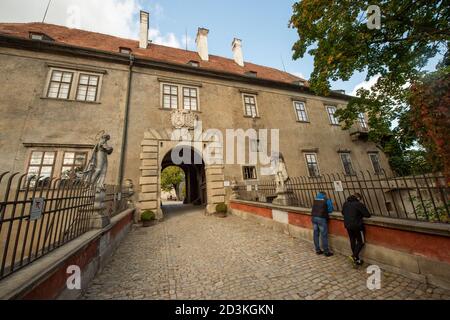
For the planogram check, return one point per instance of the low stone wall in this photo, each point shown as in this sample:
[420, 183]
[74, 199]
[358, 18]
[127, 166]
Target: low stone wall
[46, 278]
[418, 250]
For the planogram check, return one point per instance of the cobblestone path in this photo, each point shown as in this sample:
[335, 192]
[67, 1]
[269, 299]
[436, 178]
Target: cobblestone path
[193, 256]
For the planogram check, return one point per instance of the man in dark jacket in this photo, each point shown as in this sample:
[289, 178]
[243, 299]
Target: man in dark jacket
[354, 211]
[321, 209]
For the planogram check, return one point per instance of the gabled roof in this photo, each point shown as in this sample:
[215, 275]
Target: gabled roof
[98, 41]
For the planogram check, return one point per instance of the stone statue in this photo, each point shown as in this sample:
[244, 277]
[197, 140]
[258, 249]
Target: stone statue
[97, 166]
[281, 174]
[95, 174]
[281, 178]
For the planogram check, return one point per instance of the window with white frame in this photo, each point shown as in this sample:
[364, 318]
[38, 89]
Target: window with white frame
[40, 166]
[87, 87]
[331, 111]
[250, 105]
[362, 120]
[347, 163]
[170, 96]
[55, 163]
[312, 165]
[190, 98]
[300, 111]
[249, 172]
[71, 84]
[60, 84]
[375, 160]
[72, 162]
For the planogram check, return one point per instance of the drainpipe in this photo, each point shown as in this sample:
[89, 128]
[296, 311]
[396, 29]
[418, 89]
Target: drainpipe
[125, 123]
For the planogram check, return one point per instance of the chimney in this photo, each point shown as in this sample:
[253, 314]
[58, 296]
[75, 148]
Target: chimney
[236, 47]
[202, 43]
[143, 33]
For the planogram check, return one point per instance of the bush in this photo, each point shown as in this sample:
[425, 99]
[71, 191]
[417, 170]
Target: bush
[148, 215]
[221, 208]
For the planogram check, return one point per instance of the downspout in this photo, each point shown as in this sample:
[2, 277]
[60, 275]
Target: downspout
[125, 123]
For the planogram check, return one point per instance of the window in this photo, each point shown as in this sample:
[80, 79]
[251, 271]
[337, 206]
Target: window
[374, 158]
[41, 165]
[60, 83]
[190, 98]
[125, 50]
[249, 172]
[87, 87]
[73, 161]
[250, 105]
[362, 120]
[311, 163]
[331, 110]
[254, 145]
[347, 163]
[170, 96]
[300, 111]
[39, 36]
[193, 63]
[252, 74]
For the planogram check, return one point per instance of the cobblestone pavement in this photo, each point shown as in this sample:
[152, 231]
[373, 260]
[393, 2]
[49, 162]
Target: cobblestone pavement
[193, 256]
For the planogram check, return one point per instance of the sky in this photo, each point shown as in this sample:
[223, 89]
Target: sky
[261, 24]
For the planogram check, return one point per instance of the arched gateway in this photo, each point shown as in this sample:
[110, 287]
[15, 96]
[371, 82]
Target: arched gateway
[205, 183]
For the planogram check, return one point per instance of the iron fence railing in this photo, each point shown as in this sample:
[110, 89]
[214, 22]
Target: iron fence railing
[116, 200]
[39, 215]
[418, 197]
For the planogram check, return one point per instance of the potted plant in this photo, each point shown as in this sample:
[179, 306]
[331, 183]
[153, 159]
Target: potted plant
[148, 218]
[221, 210]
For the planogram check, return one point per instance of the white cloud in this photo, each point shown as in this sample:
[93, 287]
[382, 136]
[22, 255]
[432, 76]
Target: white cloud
[115, 17]
[365, 84]
[168, 39]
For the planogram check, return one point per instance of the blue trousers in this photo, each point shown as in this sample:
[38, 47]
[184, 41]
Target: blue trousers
[320, 230]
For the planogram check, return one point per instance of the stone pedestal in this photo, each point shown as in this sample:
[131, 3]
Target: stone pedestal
[283, 196]
[99, 219]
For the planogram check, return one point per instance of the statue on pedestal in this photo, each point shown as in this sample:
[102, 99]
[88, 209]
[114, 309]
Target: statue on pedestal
[95, 174]
[281, 179]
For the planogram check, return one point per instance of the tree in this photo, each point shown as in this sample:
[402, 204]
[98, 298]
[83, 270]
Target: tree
[339, 39]
[171, 177]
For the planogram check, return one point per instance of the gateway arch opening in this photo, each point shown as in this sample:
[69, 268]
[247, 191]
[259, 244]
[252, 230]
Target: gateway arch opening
[189, 183]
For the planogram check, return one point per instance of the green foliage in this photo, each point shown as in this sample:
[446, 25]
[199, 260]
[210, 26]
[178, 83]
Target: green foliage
[337, 36]
[221, 208]
[171, 177]
[425, 210]
[147, 215]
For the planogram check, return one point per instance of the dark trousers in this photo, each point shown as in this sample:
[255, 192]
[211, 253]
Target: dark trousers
[356, 241]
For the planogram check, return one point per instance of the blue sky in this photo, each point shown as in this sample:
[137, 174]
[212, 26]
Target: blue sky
[261, 24]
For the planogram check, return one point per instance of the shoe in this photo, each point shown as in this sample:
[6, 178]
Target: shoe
[353, 261]
[359, 262]
[328, 254]
[319, 252]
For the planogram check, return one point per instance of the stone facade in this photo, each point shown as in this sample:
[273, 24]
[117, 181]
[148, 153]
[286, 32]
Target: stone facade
[30, 121]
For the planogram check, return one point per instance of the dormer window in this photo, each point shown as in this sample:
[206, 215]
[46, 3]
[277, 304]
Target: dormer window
[125, 50]
[252, 74]
[39, 36]
[193, 63]
[299, 83]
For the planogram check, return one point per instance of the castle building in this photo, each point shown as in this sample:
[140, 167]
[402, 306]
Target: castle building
[61, 88]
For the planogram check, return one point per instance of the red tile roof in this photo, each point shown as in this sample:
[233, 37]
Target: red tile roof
[93, 40]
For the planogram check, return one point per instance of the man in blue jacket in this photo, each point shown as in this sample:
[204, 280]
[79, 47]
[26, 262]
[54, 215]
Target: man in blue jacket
[321, 209]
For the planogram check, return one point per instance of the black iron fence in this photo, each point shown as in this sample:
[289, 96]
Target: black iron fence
[417, 197]
[39, 215]
[117, 199]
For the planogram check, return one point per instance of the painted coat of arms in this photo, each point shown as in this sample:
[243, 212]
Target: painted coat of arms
[183, 119]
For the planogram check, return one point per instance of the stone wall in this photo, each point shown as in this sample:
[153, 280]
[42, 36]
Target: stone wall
[419, 250]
